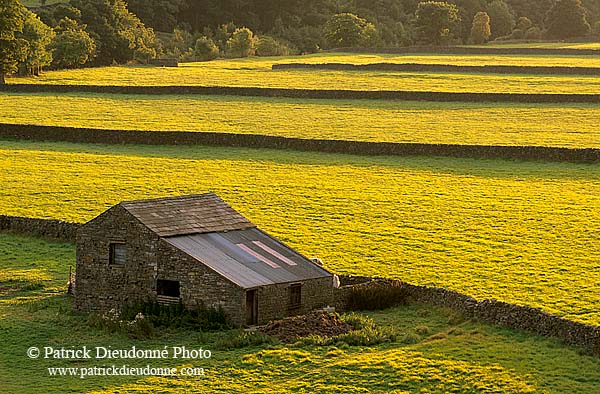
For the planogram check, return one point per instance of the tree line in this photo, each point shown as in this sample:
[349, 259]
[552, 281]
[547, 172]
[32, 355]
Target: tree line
[299, 23]
[104, 32]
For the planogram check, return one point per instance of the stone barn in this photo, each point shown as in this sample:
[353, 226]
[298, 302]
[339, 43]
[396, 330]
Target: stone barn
[193, 249]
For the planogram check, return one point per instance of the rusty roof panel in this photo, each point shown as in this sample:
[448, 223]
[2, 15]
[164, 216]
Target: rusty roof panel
[241, 265]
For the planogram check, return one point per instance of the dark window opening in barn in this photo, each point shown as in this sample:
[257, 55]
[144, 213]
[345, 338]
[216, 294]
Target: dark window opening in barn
[295, 296]
[169, 288]
[117, 253]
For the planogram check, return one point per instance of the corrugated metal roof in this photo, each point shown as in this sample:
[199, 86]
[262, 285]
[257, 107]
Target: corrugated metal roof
[248, 266]
[191, 214]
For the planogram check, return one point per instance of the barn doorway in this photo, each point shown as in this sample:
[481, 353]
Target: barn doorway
[251, 308]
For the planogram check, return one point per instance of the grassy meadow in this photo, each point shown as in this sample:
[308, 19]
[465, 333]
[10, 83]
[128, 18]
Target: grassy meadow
[256, 72]
[517, 231]
[489, 228]
[435, 351]
[562, 125]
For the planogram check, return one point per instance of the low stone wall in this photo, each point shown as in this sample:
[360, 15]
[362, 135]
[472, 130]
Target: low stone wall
[472, 51]
[310, 93]
[81, 135]
[493, 312]
[48, 228]
[442, 68]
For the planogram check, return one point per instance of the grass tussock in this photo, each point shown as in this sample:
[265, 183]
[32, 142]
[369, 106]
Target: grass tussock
[365, 333]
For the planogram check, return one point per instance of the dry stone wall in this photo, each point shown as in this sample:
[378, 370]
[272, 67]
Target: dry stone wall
[83, 135]
[552, 70]
[493, 312]
[310, 93]
[472, 50]
[47, 228]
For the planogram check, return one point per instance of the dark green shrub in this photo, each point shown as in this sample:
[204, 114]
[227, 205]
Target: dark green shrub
[242, 43]
[379, 295]
[205, 49]
[178, 316]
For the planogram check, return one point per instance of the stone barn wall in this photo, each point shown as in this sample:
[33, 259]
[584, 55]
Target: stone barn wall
[199, 285]
[100, 286]
[273, 300]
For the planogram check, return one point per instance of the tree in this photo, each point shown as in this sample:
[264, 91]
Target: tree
[205, 49]
[12, 14]
[467, 9]
[523, 24]
[158, 14]
[242, 43]
[501, 20]
[567, 19]
[119, 35]
[534, 10]
[348, 30]
[269, 46]
[434, 21]
[480, 31]
[36, 36]
[72, 45]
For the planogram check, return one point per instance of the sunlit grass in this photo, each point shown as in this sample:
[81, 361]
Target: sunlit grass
[519, 232]
[566, 125]
[256, 72]
[443, 355]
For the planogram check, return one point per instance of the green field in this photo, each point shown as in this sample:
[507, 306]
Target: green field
[435, 350]
[513, 231]
[562, 125]
[256, 72]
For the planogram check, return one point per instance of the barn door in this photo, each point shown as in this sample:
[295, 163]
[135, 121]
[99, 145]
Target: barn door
[251, 308]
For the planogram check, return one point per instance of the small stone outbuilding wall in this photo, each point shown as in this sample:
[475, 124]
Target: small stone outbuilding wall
[200, 285]
[101, 286]
[273, 301]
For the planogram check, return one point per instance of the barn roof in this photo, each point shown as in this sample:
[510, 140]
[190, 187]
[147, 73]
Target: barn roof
[249, 258]
[209, 230]
[190, 214]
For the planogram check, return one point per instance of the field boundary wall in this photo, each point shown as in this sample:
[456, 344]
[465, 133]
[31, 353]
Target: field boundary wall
[454, 50]
[328, 94]
[418, 67]
[85, 135]
[46, 228]
[488, 311]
